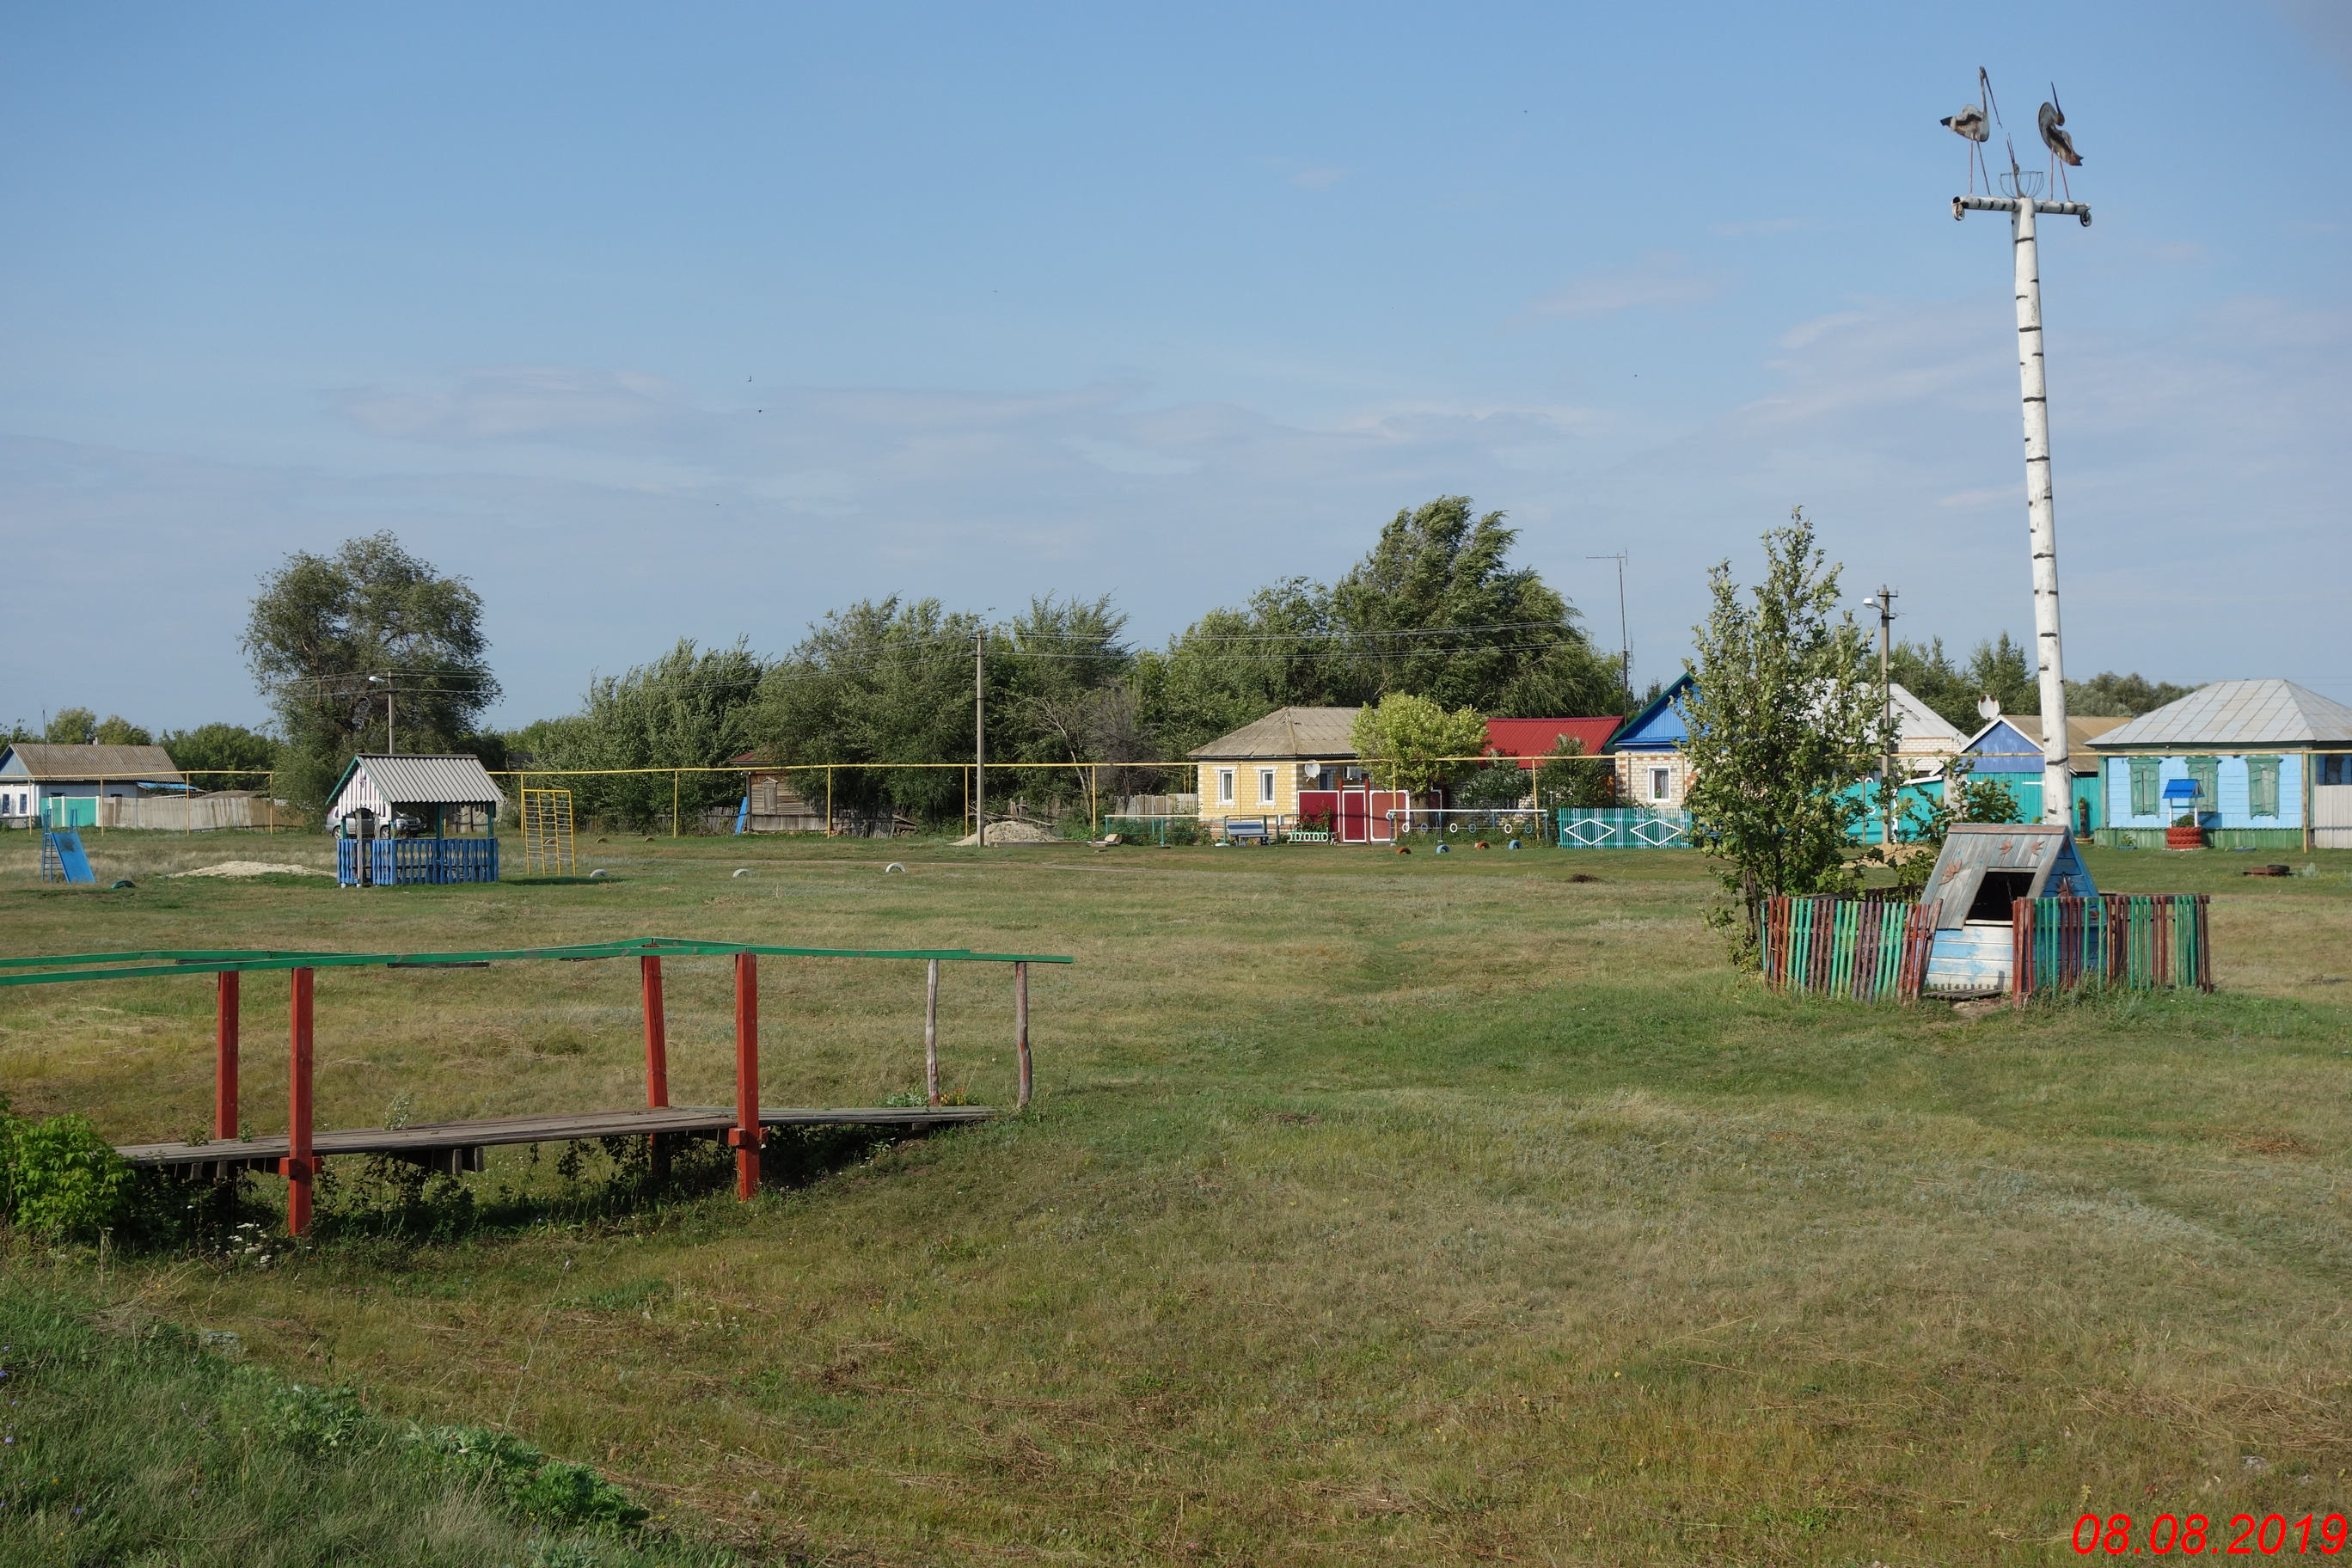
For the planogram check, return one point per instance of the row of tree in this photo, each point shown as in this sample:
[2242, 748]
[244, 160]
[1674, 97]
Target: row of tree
[2000, 669]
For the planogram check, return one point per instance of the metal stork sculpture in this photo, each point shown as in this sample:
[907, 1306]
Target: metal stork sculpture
[1972, 124]
[2022, 203]
[2063, 156]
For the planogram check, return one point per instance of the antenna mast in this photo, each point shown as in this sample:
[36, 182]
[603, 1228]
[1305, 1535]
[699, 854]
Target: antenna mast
[1624, 635]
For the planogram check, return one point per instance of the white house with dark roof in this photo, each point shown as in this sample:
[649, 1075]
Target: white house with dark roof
[2259, 765]
[60, 786]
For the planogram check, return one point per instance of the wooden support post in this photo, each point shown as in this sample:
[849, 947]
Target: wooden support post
[297, 1166]
[745, 1135]
[1021, 1029]
[657, 1036]
[225, 1058]
[931, 1035]
[656, 1059]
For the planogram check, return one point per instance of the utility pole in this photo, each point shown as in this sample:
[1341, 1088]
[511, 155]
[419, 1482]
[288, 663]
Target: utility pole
[980, 734]
[386, 681]
[1885, 605]
[1624, 636]
[2033, 391]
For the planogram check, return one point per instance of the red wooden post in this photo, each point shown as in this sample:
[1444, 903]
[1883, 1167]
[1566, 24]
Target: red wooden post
[745, 1135]
[656, 1036]
[299, 1163]
[1021, 1029]
[225, 1058]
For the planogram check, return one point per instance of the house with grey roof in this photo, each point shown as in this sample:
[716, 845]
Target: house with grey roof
[2258, 764]
[60, 786]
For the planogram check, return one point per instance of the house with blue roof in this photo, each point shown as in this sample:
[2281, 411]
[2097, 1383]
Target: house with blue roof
[1647, 749]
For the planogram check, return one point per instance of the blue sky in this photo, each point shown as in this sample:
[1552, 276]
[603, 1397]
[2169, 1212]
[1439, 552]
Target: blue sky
[698, 321]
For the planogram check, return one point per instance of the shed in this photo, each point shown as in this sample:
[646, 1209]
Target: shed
[405, 818]
[2271, 763]
[60, 786]
[1984, 868]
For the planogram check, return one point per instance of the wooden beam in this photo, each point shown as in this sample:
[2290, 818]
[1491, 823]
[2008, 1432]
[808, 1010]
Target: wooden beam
[746, 1133]
[225, 1043]
[1021, 1029]
[298, 1162]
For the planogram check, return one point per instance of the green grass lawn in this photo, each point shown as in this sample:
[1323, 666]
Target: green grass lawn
[1372, 1210]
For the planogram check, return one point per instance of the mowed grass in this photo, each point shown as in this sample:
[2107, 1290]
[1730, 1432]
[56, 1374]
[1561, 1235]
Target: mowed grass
[1373, 1209]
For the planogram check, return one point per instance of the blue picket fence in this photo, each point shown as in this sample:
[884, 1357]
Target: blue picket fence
[393, 861]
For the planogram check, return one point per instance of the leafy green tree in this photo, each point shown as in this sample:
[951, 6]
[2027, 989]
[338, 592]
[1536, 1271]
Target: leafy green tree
[1931, 675]
[880, 683]
[1066, 699]
[114, 730]
[1784, 717]
[1438, 567]
[1405, 741]
[2001, 671]
[209, 747]
[688, 709]
[1435, 609]
[71, 726]
[322, 624]
[2111, 696]
[1568, 777]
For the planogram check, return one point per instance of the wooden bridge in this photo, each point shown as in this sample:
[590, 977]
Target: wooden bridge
[454, 1146]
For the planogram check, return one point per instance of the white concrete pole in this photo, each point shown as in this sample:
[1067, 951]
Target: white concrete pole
[2034, 388]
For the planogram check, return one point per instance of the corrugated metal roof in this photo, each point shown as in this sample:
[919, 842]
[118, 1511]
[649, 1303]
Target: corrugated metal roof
[2230, 713]
[423, 781]
[1921, 730]
[66, 764]
[1319, 734]
[2080, 732]
[1532, 738]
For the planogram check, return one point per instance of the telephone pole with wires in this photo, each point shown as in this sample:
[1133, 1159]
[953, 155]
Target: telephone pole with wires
[1624, 632]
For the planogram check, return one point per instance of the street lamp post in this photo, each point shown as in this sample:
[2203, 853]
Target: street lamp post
[386, 681]
[1885, 605]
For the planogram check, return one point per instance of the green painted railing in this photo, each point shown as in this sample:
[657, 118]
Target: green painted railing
[2130, 942]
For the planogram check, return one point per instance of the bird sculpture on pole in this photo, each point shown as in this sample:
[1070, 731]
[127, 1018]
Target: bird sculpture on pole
[1972, 124]
[2063, 156]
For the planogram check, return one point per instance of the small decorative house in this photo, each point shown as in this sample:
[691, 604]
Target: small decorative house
[414, 819]
[1971, 894]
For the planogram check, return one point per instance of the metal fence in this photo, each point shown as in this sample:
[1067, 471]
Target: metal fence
[1623, 827]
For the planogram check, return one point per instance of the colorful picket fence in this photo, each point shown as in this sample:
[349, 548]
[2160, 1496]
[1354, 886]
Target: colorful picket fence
[1623, 827]
[2132, 942]
[1872, 950]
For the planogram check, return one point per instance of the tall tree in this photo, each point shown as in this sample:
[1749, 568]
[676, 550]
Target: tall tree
[71, 726]
[1411, 743]
[1784, 718]
[323, 625]
[222, 756]
[688, 709]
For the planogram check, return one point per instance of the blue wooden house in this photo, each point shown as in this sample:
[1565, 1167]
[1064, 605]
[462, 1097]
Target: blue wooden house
[2258, 764]
[2008, 751]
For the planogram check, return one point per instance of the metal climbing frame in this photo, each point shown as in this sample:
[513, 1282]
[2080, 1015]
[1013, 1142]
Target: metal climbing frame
[547, 847]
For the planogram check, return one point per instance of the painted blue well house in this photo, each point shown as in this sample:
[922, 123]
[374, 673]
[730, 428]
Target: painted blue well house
[2259, 765]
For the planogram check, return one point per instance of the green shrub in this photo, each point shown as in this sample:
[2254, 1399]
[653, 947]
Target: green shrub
[60, 1181]
[550, 1490]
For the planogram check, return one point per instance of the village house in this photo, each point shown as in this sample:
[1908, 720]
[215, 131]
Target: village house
[1652, 771]
[2007, 751]
[2254, 764]
[60, 786]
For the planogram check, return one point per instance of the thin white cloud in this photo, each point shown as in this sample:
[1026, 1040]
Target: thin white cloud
[513, 403]
[1661, 278]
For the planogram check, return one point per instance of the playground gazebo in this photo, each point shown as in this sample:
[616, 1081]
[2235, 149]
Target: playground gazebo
[401, 819]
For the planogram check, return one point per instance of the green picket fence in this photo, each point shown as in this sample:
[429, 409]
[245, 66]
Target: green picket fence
[1623, 827]
[1872, 950]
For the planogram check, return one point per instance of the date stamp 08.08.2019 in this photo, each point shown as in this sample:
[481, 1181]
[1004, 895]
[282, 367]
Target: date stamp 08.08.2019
[2237, 1535]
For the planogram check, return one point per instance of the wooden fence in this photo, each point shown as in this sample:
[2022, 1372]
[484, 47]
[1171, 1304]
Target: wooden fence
[2133, 942]
[1872, 950]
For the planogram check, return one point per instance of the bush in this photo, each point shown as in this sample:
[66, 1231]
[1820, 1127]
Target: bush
[60, 1180]
[549, 1489]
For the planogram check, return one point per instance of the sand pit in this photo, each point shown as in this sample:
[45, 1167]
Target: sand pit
[254, 869]
[1014, 833]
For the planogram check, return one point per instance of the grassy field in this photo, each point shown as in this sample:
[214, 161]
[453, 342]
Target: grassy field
[1373, 1209]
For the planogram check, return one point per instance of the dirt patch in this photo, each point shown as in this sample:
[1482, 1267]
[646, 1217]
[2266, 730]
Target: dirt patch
[254, 869]
[1014, 833]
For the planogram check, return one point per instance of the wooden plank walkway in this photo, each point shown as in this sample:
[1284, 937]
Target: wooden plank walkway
[454, 1146]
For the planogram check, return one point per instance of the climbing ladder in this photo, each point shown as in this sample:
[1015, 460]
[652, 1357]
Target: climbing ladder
[547, 833]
